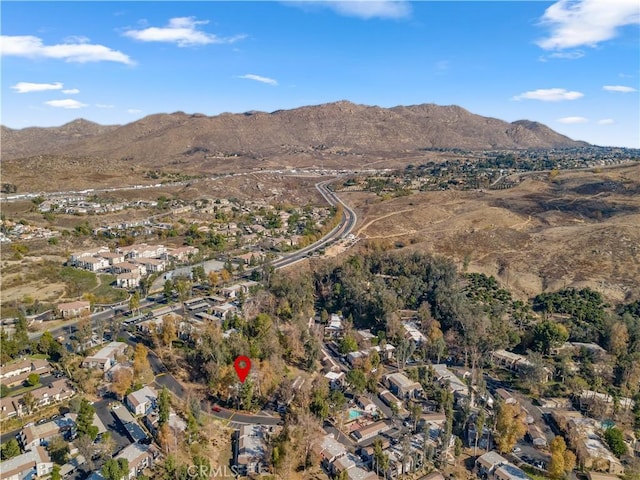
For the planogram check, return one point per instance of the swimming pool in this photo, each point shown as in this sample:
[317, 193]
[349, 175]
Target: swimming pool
[353, 414]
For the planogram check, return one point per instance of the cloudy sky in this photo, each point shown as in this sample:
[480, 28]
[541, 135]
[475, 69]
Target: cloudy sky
[573, 65]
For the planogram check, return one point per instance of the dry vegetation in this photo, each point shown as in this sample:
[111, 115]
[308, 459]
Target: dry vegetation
[578, 229]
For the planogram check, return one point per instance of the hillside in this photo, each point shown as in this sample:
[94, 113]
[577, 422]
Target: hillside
[337, 128]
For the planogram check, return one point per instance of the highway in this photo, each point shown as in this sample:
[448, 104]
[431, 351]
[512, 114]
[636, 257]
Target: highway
[344, 228]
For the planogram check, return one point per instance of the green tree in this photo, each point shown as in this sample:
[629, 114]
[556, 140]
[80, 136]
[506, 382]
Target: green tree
[33, 379]
[4, 390]
[115, 469]
[55, 473]
[357, 379]
[348, 344]
[164, 406]
[10, 449]
[615, 439]
[21, 333]
[547, 335]
[167, 289]
[58, 449]
[84, 421]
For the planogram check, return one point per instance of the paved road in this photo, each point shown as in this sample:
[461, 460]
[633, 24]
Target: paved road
[347, 223]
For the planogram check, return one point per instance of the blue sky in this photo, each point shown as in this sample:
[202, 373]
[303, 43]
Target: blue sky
[573, 65]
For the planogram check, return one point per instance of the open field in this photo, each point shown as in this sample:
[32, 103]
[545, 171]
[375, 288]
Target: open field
[578, 229]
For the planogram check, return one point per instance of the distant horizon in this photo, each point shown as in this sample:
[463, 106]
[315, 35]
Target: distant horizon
[572, 66]
[81, 118]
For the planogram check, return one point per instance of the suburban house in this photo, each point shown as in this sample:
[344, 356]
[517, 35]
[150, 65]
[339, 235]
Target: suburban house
[370, 431]
[77, 257]
[142, 401]
[456, 386]
[106, 357]
[401, 386]
[224, 311]
[513, 361]
[46, 395]
[329, 450]
[7, 408]
[152, 265]
[367, 405]
[334, 329]
[349, 464]
[74, 309]
[492, 465]
[39, 435]
[139, 457]
[128, 280]
[15, 373]
[179, 254]
[93, 264]
[336, 379]
[250, 449]
[591, 451]
[31, 464]
[390, 399]
[142, 250]
[414, 334]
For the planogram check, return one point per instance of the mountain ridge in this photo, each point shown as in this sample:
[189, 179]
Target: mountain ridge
[330, 127]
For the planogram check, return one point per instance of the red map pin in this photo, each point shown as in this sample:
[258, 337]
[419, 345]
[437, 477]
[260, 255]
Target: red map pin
[242, 366]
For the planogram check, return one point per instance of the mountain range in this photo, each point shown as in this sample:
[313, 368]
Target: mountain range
[332, 128]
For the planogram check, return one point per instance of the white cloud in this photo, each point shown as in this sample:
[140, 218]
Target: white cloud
[574, 23]
[103, 105]
[66, 103]
[606, 121]
[258, 78]
[28, 87]
[32, 47]
[364, 9]
[573, 120]
[71, 91]
[133, 111]
[183, 31]
[549, 95]
[572, 55]
[618, 88]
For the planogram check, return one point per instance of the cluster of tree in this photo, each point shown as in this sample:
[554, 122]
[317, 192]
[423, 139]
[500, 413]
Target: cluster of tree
[272, 332]
[586, 310]
[9, 449]
[18, 344]
[462, 314]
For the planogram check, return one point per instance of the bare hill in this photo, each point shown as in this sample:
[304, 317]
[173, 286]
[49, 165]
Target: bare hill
[335, 128]
[38, 140]
[581, 229]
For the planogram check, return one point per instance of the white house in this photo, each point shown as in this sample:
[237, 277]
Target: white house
[142, 401]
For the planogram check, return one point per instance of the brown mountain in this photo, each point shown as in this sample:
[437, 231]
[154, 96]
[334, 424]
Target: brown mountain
[335, 127]
[38, 140]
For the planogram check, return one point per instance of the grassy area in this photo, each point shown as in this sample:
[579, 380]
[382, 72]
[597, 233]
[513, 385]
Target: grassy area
[39, 356]
[105, 293]
[78, 281]
[22, 390]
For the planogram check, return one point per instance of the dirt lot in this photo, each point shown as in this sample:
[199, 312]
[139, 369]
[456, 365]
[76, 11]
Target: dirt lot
[579, 229]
